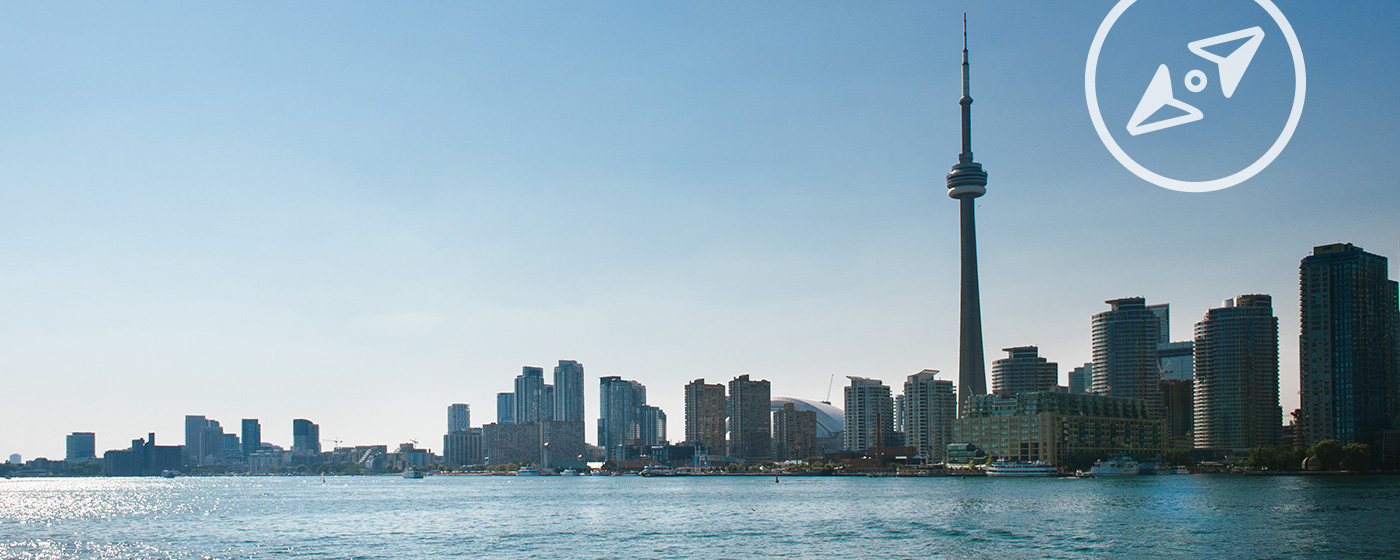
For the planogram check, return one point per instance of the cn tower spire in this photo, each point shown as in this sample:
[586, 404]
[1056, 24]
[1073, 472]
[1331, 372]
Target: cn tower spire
[966, 102]
[966, 182]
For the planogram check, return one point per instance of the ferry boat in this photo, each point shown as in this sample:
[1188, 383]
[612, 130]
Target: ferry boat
[569, 472]
[1117, 466]
[167, 473]
[657, 470]
[412, 472]
[527, 470]
[1004, 468]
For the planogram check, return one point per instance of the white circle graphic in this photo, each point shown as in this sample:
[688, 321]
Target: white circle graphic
[1195, 81]
[1092, 97]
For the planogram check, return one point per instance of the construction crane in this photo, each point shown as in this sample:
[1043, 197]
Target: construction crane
[829, 383]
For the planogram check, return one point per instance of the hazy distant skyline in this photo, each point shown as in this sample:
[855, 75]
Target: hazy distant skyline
[359, 214]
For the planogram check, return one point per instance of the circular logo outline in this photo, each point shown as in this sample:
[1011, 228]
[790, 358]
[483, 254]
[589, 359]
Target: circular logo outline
[1091, 95]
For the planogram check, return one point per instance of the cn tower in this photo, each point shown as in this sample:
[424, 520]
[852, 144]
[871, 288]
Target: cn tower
[966, 182]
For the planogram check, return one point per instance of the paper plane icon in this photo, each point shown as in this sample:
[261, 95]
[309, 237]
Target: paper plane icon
[1233, 65]
[1158, 95]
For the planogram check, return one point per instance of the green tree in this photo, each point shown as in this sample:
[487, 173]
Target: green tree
[1175, 457]
[1288, 457]
[1356, 457]
[1262, 457]
[1329, 452]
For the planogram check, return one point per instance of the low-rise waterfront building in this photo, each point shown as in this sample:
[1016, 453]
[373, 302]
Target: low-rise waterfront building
[1059, 428]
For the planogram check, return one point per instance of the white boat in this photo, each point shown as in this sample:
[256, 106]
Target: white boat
[527, 470]
[412, 472]
[1117, 466]
[657, 470]
[569, 472]
[1004, 468]
[167, 473]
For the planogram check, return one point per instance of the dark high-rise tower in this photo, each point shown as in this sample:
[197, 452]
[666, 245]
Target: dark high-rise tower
[966, 182]
[1347, 347]
[1236, 376]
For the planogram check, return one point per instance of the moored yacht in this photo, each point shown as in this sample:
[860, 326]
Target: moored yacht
[527, 470]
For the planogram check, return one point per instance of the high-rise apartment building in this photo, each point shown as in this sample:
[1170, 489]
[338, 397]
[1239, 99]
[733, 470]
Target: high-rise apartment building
[794, 434]
[194, 439]
[306, 437]
[651, 425]
[1125, 340]
[1236, 386]
[1023, 371]
[568, 391]
[705, 416]
[505, 408]
[82, 446]
[1176, 360]
[533, 402]
[459, 417]
[252, 437]
[619, 408]
[1179, 411]
[1350, 380]
[930, 406]
[750, 423]
[1080, 377]
[869, 414]
[204, 441]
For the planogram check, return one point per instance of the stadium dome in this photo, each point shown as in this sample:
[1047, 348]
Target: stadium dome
[831, 421]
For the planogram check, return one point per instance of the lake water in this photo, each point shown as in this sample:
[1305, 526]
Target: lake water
[1195, 516]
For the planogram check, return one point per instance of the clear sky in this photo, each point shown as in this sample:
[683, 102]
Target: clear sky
[359, 213]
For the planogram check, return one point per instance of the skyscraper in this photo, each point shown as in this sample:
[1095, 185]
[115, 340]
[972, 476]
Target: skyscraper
[966, 182]
[705, 416]
[930, 406]
[651, 425]
[1125, 340]
[750, 423]
[1080, 377]
[306, 437]
[568, 391]
[459, 417]
[532, 402]
[252, 437]
[204, 441]
[794, 434]
[1347, 347]
[1023, 371]
[869, 414]
[82, 446]
[505, 408]
[619, 407]
[1176, 360]
[194, 439]
[1236, 386]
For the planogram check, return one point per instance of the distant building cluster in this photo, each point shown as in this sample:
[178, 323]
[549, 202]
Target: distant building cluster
[1142, 394]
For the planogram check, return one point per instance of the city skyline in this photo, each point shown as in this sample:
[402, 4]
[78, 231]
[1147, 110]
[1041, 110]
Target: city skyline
[207, 226]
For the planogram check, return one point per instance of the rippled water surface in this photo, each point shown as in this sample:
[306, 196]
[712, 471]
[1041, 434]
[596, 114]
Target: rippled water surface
[700, 517]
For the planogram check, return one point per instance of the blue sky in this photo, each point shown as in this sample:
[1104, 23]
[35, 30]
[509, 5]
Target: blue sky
[360, 213]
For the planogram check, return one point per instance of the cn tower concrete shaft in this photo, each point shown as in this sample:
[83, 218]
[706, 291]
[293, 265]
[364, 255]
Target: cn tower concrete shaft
[966, 182]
